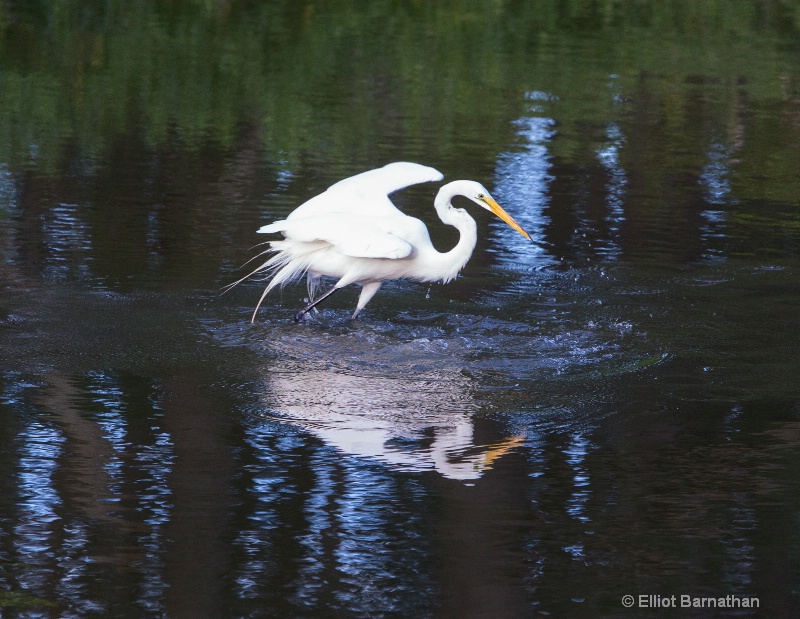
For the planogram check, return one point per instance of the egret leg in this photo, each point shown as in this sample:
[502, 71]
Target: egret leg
[367, 292]
[312, 283]
[299, 315]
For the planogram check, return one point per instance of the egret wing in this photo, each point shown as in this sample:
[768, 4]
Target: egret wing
[388, 179]
[351, 236]
[367, 194]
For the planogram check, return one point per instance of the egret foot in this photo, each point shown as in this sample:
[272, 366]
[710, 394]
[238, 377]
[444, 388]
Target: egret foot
[301, 314]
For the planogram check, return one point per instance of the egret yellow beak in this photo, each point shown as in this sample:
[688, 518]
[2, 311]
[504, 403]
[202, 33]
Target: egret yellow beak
[501, 213]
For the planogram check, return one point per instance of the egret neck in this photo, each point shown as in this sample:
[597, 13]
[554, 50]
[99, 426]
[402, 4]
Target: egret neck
[445, 266]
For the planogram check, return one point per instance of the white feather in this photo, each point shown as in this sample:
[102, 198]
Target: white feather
[364, 237]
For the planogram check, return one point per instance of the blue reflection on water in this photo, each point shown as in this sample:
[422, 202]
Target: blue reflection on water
[8, 192]
[609, 156]
[69, 242]
[78, 474]
[151, 496]
[148, 466]
[340, 549]
[110, 419]
[717, 193]
[714, 177]
[576, 453]
[523, 180]
[40, 445]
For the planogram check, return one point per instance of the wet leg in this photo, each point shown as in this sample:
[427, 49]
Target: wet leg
[367, 292]
[299, 315]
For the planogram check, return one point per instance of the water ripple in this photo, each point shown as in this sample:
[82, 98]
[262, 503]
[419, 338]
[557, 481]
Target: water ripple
[406, 392]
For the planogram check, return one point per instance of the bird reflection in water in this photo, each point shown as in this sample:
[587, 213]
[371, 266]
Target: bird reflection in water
[417, 422]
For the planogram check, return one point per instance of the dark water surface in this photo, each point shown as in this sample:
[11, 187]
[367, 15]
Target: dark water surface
[613, 410]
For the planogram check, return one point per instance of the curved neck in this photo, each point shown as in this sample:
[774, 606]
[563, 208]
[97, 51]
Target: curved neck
[448, 265]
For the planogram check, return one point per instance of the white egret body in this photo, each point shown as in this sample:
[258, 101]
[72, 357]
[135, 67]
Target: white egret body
[353, 233]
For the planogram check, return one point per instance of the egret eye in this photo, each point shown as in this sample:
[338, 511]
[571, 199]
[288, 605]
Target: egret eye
[481, 196]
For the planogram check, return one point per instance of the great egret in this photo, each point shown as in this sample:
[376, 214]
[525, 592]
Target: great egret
[352, 232]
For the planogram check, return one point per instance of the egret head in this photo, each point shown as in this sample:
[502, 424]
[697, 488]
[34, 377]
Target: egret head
[478, 194]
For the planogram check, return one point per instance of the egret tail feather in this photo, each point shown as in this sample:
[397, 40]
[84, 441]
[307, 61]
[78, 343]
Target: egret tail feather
[284, 268]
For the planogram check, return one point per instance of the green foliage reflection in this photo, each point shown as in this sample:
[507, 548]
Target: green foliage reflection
[407, 71]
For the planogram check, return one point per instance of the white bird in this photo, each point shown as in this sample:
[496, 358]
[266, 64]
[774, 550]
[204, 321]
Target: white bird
[355, 234]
